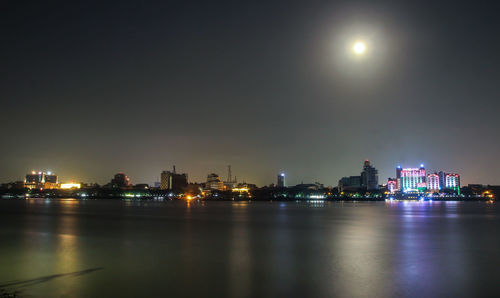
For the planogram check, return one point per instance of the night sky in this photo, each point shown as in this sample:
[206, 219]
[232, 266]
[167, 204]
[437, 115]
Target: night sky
[89, 89]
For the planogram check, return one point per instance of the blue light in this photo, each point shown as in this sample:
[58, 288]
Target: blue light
[421, 165]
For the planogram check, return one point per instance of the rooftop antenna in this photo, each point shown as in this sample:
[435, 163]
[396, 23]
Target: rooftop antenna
[174, 169]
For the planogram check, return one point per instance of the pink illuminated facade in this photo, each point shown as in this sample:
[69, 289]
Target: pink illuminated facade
[413, 179]
[433, 183]
[392, 185]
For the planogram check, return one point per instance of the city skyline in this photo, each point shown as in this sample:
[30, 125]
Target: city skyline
[164, 178]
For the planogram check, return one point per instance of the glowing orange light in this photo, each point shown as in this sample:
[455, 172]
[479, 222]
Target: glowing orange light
[70, 185]
[242, 189]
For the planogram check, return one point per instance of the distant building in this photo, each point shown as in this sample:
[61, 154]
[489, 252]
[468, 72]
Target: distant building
[214, 182]
[442, 179]
[173, 181]
[281, 180]
[368, 180]
[165, 180]
[449, 182]
[46, 180]
[34, 177]
[413, 179]
[50, 177]
[351, 183]
[51, 181]
[398, 178]
[433, 184]
[70, 185]
[369, 177]
[120, 180]
[452, 182]
[392, 185]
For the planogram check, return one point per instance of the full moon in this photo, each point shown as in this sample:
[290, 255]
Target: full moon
[359, 48]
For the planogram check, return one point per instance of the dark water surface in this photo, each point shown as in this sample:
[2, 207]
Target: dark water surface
[112, 248]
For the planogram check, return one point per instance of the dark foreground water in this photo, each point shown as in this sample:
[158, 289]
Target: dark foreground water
[99, 248]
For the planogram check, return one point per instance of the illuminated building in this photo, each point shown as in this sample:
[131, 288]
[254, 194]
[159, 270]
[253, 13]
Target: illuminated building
[452, 182]
[41, 180]
[433, 184]
[34, 177]
[281, 180]
[50, 177]
[50, 181]
[242, 189]
[173, 181]
[33, 180]
[120, 180]
[214, 182]
[392, 185]
[70, 185]
[449, 182]
[413, 179]
[369, 177]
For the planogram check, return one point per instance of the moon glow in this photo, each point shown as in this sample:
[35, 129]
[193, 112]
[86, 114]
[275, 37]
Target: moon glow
[359, 48]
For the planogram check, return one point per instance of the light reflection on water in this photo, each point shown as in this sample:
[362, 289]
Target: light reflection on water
[249, 249]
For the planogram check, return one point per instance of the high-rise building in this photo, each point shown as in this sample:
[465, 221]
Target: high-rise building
[50, 177]
[369, 176]
[433, 183]
[214, 182]
[449, 182]
[173, 181]
[34, 179]
[398, 178]
[452, 182]
[165, 180]
[413, 179]
[442, 179]
[50, 181]
[281, 180]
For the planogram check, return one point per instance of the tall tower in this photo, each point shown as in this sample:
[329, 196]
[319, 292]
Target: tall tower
[369, 176]
[398, 178]
[281, 180]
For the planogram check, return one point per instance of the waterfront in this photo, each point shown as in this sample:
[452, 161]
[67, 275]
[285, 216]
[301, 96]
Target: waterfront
[103, 248]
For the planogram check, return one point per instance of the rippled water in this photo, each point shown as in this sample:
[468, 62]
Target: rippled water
[105, 248]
